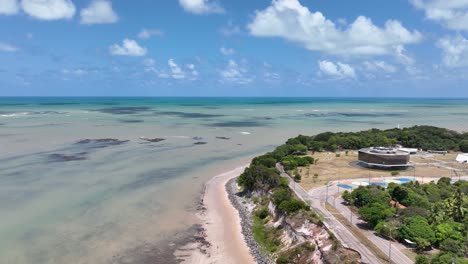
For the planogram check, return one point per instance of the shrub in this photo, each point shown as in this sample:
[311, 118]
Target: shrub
[292, 206]
[262, 213]
[282, 259]
[395, 173]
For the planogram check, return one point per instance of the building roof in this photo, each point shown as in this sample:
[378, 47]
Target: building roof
[462, 158]
[384, 151]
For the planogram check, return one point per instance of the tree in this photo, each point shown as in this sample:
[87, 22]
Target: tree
[464, 146]
[444, 181]
[376, 212]
[450, 230]
[347, 196]
[292, 205]
[421, 259]
[280, 195]
[418, 230]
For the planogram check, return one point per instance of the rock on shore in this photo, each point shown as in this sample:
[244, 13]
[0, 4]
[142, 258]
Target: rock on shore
[246, 222]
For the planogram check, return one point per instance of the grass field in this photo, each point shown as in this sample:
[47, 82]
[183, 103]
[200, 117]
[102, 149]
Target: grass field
[331, 167]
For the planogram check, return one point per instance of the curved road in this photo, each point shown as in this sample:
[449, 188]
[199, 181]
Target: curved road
[341, 232]
[317, 198]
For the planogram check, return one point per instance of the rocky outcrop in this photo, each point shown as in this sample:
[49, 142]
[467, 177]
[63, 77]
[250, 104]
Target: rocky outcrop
[245, 212]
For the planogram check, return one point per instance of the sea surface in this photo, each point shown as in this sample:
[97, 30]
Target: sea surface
[78, 185]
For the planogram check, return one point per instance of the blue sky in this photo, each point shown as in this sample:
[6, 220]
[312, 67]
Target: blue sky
[408, 48]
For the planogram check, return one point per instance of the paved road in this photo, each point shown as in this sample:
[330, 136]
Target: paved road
[341, 232]
[321, 194]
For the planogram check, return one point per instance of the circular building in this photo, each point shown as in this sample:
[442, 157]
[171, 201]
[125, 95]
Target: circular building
[383, 158]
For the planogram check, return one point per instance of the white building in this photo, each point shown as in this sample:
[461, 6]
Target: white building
[462, 158]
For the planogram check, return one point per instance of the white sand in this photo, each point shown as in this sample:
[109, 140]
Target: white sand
[222, 223]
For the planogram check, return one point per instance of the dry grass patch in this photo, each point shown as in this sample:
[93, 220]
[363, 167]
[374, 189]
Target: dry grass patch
[332, 167]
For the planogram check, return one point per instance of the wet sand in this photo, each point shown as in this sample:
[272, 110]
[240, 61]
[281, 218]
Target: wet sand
[222, 227]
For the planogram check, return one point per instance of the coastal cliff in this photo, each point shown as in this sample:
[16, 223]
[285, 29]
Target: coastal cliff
[274, 236]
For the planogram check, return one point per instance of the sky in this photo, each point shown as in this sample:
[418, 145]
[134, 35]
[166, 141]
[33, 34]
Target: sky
[328, 48]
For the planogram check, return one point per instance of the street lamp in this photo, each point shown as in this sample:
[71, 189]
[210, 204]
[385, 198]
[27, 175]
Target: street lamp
[389, 243]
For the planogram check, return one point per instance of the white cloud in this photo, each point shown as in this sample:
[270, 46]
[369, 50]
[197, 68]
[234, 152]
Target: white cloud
[201, 6]
[98, 12]
[8, 7]
[226, 51]
[49, 9]
[192, 69]
[148, 33]
[338, 70]
[74, 71]
[149, 62]
[176, 71]
[455, 51]
[5, 47]
[235, 73]
[230, 29]
[451, 13]
[379, 66]
[290, 20]
[129, 47]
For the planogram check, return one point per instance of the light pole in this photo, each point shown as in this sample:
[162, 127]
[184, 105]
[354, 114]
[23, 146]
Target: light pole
[326, 194]
[389, 244]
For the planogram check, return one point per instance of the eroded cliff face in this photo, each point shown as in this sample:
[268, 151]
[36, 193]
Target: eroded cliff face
[305, 240]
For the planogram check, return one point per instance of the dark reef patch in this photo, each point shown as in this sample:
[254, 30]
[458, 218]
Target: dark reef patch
[225, 138]
[47, 113]
[57, 157]
[59, 103]
[246, 123]
[187, 114]
[131, 121]
[153, 140]
[123, 110]
[101, 143]
[164, 251]
[351, 114]
[200, 143]
[337, 121]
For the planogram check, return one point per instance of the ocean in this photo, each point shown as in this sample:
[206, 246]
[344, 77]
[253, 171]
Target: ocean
[78, 184]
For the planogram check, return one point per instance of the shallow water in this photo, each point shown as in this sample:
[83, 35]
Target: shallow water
[117, 201]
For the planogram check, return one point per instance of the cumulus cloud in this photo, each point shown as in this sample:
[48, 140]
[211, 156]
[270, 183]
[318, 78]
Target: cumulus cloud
[177, 72]
[454, 50]
[289, 20]
[201, 6]
[49, 9]
[98, 12]
[8, 7]
[451, 13]
[5, 47]
[235, 73]
[148, 33]
[129, 47]
[379, 66]
[338, 70]
[226, 51]
[230, 29]
[75, 71]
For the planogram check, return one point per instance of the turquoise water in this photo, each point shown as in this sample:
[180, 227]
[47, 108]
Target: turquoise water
[65, 199]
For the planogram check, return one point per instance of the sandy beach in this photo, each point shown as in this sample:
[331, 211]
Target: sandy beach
[221, 223]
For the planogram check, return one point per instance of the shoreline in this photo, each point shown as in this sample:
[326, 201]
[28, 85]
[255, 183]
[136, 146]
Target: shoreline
[221, 238]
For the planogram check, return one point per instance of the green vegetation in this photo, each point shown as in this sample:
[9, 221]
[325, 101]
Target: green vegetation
[266, 237]
[431, 215]
[435, 214]
[424, 137]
